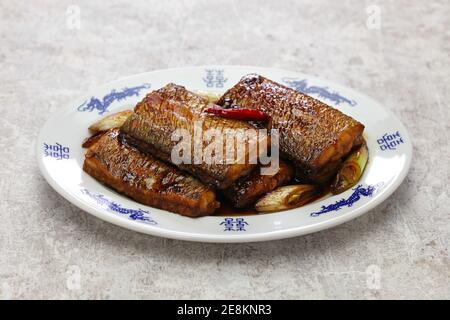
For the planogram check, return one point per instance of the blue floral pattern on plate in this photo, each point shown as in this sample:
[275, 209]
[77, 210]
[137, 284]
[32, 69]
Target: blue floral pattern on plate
[115, 95]
[357, 194]
[134, 214]
[322, 92]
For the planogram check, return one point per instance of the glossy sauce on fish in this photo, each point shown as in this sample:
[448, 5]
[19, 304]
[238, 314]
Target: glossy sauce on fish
[313, 135]
[145, 178]
[172, 108]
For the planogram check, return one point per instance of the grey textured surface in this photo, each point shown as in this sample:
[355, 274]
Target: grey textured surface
[51, 249]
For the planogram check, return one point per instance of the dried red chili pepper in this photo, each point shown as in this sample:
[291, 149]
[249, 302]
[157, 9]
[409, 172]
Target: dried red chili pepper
[238, 114]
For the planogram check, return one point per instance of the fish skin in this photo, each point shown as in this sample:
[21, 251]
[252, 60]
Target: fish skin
[247, 190]
[313, 135]
[173, 107]
[147, 179]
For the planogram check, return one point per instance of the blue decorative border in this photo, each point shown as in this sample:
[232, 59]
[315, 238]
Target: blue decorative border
[214, 78]
[231, 224]
[322, 92]
[358, 192]
[115, 95]
[134, 214]
[390, 141]
[57, 151]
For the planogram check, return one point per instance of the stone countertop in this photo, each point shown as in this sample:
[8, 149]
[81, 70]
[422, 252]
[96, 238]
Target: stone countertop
[52, 52]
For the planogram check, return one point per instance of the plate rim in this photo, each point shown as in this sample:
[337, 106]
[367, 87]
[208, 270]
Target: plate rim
[387, 191]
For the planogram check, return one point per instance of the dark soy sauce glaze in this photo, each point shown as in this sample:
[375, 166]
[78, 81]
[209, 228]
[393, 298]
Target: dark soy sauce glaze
[226, 208]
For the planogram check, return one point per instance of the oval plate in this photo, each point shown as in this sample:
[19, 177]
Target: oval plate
[61, 157]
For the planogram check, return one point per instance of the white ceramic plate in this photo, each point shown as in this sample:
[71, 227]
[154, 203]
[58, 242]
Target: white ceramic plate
[60, 158]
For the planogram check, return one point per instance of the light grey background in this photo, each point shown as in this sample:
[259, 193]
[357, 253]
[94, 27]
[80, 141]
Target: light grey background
[51, 249]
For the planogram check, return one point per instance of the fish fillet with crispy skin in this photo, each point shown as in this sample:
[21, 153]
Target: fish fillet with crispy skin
[146, 179]
[173, 107]
[246, 190]
[313, 135]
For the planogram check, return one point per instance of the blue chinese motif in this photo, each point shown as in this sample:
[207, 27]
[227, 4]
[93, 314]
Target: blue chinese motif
[390, 141]
[214, 78]
[231, 224]
[115, 95]
[358, 192]
[133, 214]
[321, 92]
[56, 151]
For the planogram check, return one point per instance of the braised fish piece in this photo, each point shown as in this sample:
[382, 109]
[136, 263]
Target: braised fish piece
[313, 135]
[175, 109]
[146, 179]
[246, 190]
